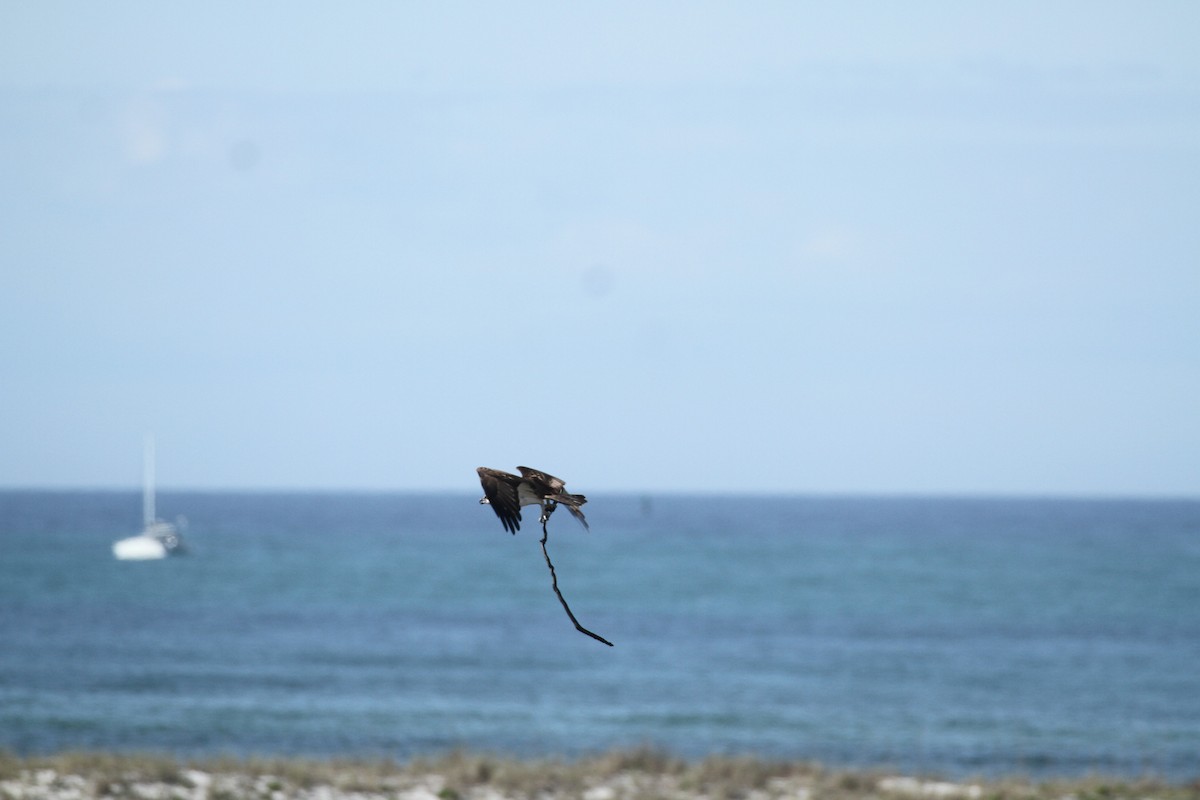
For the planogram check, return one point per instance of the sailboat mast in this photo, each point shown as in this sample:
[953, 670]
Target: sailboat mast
[148, 514]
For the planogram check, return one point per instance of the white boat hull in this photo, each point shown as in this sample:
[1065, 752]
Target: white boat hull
[139, 548]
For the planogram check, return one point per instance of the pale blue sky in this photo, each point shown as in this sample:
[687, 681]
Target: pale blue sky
[795, 247]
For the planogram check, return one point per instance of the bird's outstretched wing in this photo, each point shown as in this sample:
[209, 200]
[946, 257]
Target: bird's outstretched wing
[500, 489]
[543, 482]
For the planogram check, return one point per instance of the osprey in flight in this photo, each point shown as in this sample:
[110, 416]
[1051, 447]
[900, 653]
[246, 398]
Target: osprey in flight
[506, 493]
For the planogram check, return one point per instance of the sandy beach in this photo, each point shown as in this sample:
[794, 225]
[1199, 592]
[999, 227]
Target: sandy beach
[622, 775]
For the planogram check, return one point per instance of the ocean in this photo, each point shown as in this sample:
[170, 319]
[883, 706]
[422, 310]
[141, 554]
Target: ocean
[955, 636]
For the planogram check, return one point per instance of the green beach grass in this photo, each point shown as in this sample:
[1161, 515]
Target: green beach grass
[620, 775]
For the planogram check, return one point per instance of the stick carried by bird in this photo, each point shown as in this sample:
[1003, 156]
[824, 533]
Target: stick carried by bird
[507, 493]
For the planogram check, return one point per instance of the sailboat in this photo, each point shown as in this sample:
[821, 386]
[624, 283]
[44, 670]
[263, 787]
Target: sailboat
[158, 539]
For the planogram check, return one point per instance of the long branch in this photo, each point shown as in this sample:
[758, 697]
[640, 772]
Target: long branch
[554, 583]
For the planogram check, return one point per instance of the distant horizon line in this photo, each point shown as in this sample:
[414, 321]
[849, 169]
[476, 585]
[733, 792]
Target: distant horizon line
[898, 494]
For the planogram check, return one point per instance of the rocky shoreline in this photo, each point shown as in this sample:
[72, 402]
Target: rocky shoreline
[630, 775]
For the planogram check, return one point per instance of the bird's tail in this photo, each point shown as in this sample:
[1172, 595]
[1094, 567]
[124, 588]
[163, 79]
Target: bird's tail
[572, 502]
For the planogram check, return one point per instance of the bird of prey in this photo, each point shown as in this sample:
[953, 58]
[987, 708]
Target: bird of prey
[506, 493]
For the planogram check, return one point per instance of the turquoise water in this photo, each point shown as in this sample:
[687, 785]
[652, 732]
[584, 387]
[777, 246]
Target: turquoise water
[956, 636]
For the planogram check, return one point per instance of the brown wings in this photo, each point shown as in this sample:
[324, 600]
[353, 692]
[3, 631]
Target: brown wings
[500, 489]
[543, 484]
[549, 487]
[506, 493]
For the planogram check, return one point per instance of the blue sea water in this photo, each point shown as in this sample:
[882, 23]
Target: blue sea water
[952, 636]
